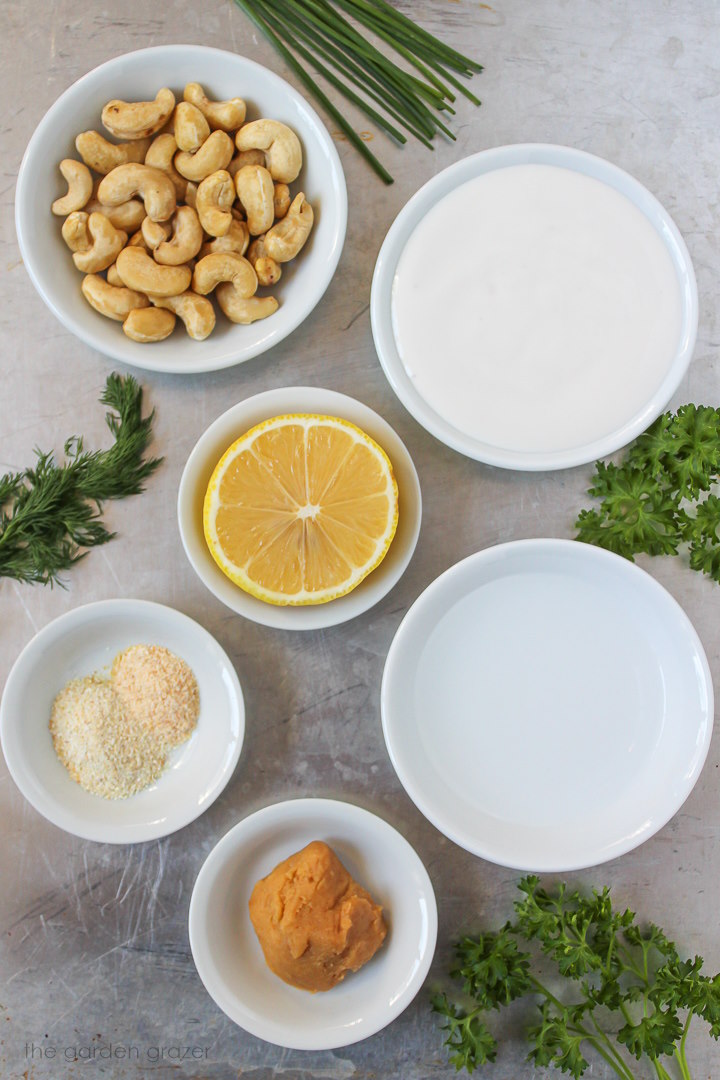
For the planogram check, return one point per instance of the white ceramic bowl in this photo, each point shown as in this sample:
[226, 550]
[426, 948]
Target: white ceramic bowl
[416, 210]
[137, 76]
[234, 423]
[547, 705]
[227, 953]
[86, 640]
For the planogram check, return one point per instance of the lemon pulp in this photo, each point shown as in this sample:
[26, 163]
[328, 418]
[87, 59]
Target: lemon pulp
[300, 509]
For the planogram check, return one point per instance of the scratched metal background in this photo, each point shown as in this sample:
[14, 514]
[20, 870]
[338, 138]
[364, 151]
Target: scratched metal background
[93, 938]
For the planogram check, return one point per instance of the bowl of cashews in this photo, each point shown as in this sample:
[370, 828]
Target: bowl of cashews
[181, 209]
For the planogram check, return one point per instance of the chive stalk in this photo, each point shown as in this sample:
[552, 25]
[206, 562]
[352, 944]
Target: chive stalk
[321, 33]
[284, 33]
[358, 76]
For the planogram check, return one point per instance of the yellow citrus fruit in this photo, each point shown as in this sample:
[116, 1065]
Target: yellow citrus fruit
[300, 509]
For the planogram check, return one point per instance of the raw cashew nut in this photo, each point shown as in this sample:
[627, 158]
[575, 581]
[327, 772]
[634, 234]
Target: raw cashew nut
[149, 324]
[194, 311]
[287, 236]
[215, 196]
[245, 157]
[256, 191]
[138, 119]
[268, 271]
[160, 155]
[102, 156]
[154, 232]
[245, 310]
[282, 148]
[140, 271]
[172, 216]
[80, 185]
[154, 187]
[225, 115]
[281, 200]
[186, 240]
[224, 266]
[113, 278]
[138, 240]
[114, 303]
[75, 231]
[214, 154]
[191, 127]
[107, 242]
[235, 239]
[127, 216]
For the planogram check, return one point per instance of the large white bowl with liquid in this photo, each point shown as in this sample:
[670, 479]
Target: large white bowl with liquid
[581, 317]
[547, 705]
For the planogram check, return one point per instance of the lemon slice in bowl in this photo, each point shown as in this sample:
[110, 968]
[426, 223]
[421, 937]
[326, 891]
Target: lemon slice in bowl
[300, 509]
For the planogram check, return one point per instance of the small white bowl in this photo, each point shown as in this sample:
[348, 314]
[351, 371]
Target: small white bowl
[235, 422]
[227, 953]
[86, 640]
[136, 76]
[417, 209]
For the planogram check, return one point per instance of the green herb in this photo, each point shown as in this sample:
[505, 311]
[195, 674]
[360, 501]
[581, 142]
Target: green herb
[318, 32]
[627, 994]
[49, 513]
[651, 502]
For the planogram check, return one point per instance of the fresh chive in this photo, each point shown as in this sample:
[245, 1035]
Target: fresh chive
[357, 75]
[377, 28]
[412, 27]
[283, 32]
[319, 33]
[421, 51]
[455, 82]
[314, 89]
[393, 77]
[344, 27]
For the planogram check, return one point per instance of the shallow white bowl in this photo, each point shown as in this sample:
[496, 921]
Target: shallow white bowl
[227, 953]
[136, 76]
[416, 210]
[86, 640]
[235, 422]
[547, 705]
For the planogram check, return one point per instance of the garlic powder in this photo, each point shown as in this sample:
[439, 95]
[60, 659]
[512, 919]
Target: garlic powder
[113, 735]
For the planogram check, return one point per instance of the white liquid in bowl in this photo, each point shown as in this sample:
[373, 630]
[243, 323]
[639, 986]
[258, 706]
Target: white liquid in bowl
[534, 306]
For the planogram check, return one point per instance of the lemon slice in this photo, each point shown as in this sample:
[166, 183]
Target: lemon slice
[300, 509]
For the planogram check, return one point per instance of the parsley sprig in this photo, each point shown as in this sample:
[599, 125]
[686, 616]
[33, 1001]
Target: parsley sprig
[625, 992]
[50, 514]
[652, 502]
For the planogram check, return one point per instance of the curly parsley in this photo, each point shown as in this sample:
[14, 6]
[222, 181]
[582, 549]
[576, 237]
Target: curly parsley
[652, 501]
[627, 995]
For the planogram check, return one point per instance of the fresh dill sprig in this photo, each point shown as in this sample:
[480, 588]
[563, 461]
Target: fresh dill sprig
[50, 514]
